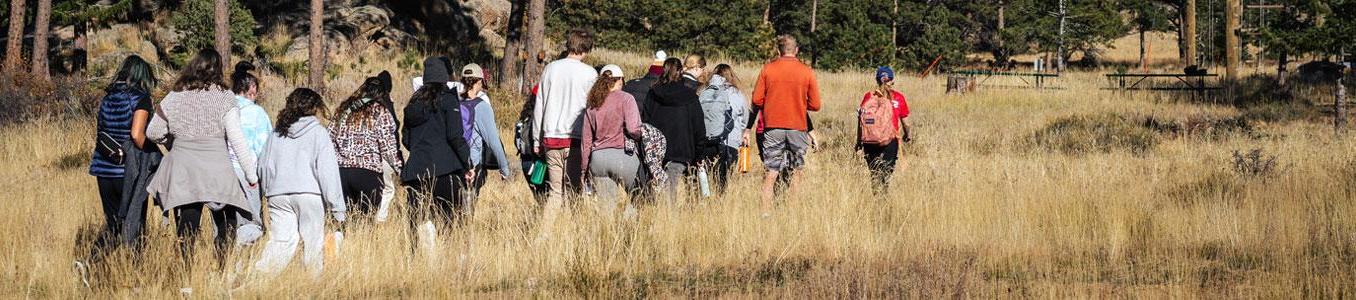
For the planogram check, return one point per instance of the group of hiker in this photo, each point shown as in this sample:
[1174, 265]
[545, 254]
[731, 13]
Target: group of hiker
[585, 131]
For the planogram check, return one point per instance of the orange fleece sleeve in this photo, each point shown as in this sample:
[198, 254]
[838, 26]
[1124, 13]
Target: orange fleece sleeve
[760, 90]
[813, 93]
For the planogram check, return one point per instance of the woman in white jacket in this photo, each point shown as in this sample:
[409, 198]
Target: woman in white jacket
[299, 172]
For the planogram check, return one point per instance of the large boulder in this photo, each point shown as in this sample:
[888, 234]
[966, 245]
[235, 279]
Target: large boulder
[359, 22]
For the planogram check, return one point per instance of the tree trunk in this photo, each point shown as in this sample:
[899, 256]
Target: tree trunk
[1189, 34]
[1143, 56]
[41, 25]
[1232, 12]
[14, 42]
[536, 31]
[998, 33]
[1339, 112]
[1283, 60]
[767, 12]
[317, 47]
[894, 32]
[508, 73]
[1063, 13]
[221, 18]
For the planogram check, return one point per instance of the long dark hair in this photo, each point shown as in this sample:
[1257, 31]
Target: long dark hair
[201, 73]
[136, 73]
[242, 80]
[601, 88]
[303, 102]
[353, 108]
[427, 95]
[673, 71]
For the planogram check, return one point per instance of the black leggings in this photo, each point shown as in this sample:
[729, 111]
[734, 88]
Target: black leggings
[362, 191]
[726, 158]
[880, 159]
[188, 220]
[438, 198]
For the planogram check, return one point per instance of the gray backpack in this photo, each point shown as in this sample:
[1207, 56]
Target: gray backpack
[716, 110]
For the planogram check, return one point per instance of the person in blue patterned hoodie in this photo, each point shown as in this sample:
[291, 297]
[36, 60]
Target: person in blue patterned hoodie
[256, 126]
[124, 112]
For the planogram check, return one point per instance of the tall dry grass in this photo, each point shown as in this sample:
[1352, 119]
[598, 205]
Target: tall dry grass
[976, 210]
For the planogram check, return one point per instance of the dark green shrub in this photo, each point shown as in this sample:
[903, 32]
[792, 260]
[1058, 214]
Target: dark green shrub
[1096, 133]
[194, 20]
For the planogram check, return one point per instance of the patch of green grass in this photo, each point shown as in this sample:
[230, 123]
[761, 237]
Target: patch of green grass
[1094, 133]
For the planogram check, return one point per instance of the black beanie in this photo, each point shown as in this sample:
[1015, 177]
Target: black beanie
[435, 71]
[385, 78]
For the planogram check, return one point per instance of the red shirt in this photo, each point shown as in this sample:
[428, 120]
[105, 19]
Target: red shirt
[901, 105]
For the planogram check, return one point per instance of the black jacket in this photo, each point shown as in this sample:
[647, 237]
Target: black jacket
[640, 88]
[673, 108]
[434, 137]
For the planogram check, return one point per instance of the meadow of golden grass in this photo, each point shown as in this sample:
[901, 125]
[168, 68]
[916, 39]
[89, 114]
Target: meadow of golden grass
[977, 210]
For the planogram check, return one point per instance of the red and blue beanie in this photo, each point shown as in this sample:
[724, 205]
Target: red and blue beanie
[884, 74]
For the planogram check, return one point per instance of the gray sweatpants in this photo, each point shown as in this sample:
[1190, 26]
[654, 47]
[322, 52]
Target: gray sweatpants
[294, 219]
[249, 228]
[676, 170]
[612, 169]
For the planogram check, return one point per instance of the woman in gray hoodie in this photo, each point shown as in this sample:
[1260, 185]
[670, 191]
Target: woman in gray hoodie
[299, 173]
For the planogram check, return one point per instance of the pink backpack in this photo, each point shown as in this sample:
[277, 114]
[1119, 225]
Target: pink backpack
[876, 117]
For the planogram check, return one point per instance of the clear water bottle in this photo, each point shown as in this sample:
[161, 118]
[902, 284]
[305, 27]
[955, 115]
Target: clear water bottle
[703, 181]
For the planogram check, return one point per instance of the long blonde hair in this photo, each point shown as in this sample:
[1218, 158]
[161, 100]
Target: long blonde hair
[727, 72]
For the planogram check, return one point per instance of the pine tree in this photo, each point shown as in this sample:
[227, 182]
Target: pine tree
[221, 17]
[41, 25]
[536, 34]
[316, 62]
[14, 41]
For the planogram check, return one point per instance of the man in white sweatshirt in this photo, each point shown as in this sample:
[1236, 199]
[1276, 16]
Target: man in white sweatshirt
[561, 99]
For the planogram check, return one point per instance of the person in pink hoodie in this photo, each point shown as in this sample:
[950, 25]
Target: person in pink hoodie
[610, 119]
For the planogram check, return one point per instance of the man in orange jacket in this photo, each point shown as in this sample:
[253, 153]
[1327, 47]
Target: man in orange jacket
[786, 91]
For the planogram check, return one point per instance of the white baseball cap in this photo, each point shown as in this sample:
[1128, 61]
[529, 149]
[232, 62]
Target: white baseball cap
[660, 56]
[616, 71]
[473, 70]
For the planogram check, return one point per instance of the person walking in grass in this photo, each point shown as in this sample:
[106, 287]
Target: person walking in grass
[364, 136]
[200, 124]
[487, 149]
[389, 175]
[640, 87]
[673, 108]
[694, 68]
[560, 103]
[786, 91]
[123, 159]
[611, 119]
[439, 157]
[299, 172]
[725, 110]
[523, 137]
[882, 124]
[255, 125]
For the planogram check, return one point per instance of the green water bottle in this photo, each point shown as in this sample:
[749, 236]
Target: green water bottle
[538, 172]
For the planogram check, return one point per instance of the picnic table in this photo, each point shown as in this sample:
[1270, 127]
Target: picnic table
[1037, 79]
[1188, 82]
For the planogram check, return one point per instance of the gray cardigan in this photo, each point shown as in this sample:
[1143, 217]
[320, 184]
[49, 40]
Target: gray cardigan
[198, 126]
[303, 162]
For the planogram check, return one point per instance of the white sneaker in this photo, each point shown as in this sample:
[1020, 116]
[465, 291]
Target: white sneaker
[428, 236]
[186, 291]
[82, 270]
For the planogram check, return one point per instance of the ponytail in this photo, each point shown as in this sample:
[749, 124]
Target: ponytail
[242, 80]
